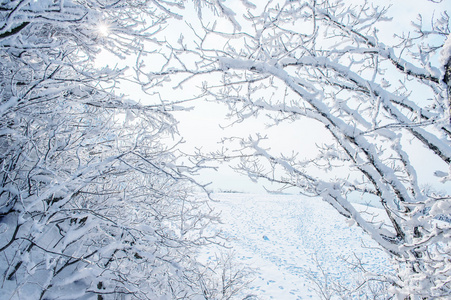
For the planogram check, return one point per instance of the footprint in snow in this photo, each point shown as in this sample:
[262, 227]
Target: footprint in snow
[269, 281]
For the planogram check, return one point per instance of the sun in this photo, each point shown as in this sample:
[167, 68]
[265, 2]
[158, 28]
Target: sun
[103, 29]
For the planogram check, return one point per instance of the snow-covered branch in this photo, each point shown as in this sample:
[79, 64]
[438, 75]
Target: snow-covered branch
[325, 61]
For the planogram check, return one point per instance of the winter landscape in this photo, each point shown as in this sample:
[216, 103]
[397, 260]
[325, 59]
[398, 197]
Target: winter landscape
[119, 117]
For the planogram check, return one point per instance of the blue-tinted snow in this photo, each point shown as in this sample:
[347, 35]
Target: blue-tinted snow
[287, 239]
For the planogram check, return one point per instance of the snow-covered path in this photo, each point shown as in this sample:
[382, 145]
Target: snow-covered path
[288, 239]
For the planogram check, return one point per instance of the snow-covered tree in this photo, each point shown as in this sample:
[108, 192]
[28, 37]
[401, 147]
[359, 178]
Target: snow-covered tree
[380, 102]
[92, 203]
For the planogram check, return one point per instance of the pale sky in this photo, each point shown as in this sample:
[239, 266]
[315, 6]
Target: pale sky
[201, 126]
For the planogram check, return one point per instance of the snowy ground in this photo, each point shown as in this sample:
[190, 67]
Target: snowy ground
[289, 239]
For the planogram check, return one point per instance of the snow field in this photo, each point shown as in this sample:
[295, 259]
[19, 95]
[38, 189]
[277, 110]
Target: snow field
[291, 242]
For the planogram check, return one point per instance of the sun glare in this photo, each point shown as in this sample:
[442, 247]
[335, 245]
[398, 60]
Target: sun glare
[103, 29]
